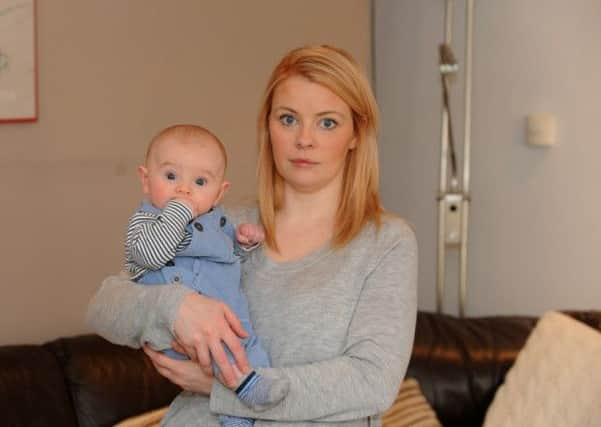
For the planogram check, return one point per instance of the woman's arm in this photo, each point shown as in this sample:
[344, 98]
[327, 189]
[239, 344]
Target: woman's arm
[130, 314]
[364, 379]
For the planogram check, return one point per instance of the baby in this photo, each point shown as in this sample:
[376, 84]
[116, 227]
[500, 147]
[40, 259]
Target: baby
[180, 235]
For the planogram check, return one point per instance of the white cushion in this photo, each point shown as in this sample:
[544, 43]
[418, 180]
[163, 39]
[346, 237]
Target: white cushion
[556, 378]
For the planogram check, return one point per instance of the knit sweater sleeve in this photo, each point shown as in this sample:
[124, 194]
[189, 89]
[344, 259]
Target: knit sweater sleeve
[364, 379]
[127, 313]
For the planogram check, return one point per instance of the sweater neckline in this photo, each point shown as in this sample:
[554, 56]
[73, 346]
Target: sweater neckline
[297, 264]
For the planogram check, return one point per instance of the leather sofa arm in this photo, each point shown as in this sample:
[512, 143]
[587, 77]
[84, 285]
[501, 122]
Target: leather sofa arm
[32, 388]
[459, 363]
[107, 382]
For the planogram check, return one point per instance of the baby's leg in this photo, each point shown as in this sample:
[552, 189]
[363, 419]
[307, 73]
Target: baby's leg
[254, 390]
[229, 421]
[174, 354]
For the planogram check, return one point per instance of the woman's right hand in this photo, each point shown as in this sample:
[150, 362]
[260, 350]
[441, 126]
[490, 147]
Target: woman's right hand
[202, 326]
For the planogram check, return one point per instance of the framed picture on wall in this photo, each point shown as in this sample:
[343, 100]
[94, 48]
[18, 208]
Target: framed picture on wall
[18, 71]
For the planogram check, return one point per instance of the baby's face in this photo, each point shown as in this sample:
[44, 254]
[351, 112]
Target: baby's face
[190, 170]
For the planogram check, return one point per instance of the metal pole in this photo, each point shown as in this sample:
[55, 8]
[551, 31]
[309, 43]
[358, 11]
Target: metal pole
[467, 126]
[469, 14]
[444, 156]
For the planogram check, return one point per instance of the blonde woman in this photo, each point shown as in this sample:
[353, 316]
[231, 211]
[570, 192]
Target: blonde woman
[332, 292]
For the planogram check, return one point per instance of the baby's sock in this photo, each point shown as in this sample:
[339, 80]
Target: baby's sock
[229, 421]
[260, 393]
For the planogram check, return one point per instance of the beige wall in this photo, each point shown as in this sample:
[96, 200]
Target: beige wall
[112, 73]
[535, 229]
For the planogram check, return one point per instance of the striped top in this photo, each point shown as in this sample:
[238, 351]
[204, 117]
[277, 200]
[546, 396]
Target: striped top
[154, 237]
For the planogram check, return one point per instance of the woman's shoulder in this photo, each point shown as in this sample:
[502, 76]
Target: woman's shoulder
[395, 222]
[391, 232]
[390, 229]
[392, 239]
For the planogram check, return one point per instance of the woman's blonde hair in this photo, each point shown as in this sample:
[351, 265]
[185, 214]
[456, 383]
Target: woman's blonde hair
[336, 70]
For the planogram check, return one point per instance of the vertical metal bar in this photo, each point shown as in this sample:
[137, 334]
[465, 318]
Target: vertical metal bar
[448, 25]
[469, 8]
[467, 127]
[465, 203]
[444, 131]
[444, 158]
[441, 264]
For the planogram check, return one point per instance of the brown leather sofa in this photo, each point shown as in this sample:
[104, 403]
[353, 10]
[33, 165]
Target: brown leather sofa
[460, 363]
[86, 381]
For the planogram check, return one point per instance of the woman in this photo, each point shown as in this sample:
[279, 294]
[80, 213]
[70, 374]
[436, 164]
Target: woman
[332, 293]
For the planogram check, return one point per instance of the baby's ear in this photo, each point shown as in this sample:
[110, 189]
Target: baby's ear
[143, 175]
[224, 186]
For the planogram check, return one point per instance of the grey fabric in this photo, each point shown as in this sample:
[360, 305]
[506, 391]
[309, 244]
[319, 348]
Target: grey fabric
[132, 314]
[338, 324]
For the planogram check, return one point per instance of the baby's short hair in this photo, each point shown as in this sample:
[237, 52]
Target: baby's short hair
[185, 131]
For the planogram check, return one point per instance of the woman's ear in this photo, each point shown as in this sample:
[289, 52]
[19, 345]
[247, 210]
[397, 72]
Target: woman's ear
[143, 175]
[224, 186]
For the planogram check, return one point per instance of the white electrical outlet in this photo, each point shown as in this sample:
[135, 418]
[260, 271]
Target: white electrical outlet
[452, 203]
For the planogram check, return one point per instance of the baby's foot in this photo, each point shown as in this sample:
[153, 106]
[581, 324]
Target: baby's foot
[229, 421]
[260, 393]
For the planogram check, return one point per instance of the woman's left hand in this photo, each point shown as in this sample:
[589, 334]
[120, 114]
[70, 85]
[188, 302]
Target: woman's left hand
[185, 373]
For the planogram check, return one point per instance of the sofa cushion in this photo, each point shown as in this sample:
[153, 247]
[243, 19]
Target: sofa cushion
[410, 408]
[32, 388]
[148, 419]
[556, 379]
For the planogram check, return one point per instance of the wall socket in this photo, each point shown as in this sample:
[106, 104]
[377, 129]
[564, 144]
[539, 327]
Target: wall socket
[452, 220]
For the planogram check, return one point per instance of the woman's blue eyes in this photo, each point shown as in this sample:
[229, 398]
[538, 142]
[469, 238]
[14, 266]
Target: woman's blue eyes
[325, 123]
[287, 120]
[200, 181]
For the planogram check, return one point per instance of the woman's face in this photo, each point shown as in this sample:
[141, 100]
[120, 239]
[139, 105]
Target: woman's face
[311, 131]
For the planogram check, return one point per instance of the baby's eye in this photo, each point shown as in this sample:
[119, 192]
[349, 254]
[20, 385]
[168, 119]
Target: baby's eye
[200, 181]
[287, 120]
[170, 176]
[327, 123]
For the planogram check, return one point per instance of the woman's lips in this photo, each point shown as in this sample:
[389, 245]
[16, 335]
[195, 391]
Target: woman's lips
[303, 162]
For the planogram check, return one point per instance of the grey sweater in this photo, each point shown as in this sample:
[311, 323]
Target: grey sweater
[338, 324]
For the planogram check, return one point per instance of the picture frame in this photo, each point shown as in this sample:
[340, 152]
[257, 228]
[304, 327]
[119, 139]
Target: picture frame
[18, 61]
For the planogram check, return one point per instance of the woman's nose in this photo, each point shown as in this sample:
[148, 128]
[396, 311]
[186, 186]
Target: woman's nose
[304, 138]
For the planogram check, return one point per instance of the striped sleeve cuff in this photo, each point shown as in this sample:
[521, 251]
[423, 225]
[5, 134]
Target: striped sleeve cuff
[177, 212]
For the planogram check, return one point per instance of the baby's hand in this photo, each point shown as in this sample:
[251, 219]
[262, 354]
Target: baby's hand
[249, 235]
[188, 203]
